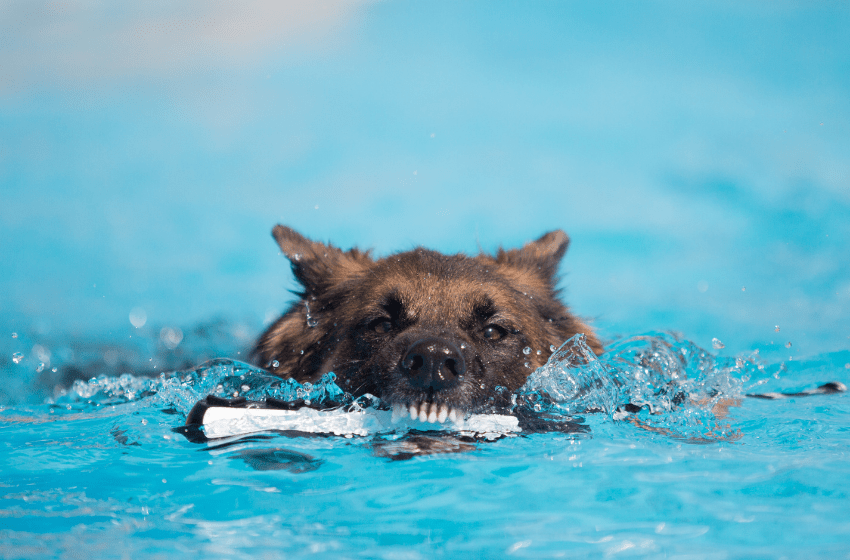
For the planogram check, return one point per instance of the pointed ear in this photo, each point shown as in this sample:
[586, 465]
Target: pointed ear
[542, 255]
[318, 266]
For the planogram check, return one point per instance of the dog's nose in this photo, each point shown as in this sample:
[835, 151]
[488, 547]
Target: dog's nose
[434, 363]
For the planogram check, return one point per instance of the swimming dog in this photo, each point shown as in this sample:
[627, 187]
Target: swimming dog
[435, 335]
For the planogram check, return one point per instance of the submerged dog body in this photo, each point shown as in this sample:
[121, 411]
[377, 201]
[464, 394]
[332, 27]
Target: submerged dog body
[435, 334]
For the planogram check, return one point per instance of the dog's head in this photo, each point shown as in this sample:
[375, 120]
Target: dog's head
[438, 334]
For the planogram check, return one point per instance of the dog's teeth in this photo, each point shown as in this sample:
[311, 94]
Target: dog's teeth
[425, 412]
[432, 416]
[453, 415]
[398, 412]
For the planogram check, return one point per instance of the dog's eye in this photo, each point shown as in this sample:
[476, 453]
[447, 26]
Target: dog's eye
[494, 332]
[381, 326]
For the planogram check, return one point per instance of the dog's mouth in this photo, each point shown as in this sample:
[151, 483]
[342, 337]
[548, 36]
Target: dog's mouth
[427, 404]
[432, 381]
[427, 412]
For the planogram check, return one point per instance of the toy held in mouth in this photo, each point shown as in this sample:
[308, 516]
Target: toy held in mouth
[214, 417]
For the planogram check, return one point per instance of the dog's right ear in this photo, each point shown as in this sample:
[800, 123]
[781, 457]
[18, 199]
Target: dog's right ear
[318, 266]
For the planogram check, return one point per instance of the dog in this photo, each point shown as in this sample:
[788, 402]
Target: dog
[436, 336]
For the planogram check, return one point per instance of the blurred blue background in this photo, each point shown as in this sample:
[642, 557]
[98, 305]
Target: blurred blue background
[697, 153]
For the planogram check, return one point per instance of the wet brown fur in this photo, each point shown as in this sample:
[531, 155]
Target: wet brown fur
[421, 294]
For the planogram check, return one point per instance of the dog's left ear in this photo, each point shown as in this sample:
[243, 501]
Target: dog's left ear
[318, 266]
[541, 256]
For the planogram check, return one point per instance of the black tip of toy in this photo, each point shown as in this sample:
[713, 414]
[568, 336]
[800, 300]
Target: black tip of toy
[833, 387]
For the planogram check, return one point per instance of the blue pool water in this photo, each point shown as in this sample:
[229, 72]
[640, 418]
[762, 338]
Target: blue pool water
[101, 468]
[698, 155]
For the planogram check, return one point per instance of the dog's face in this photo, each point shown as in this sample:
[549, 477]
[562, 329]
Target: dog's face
[436, 334]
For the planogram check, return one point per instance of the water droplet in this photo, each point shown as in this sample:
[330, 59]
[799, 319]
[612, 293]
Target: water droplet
[275, 364]
[552, 348]
[311, 321]
[245, 388]
[302, 352]
[717, 344]
[787, 345]
[138, 317]
[744, 289]
[17, 357]
[14, 335]
[40, 367]
[482, 386]
[526, 364]
[539, 352]
[170, 337]
[296, 256]
[54, 370]
[526, 350]
[463, 346]
[537, 407]
[41, 353]
[776, 328]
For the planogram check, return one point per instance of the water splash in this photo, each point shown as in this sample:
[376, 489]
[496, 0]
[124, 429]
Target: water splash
[223, 378]
[654, 381]
[572, 382]
[144, 353]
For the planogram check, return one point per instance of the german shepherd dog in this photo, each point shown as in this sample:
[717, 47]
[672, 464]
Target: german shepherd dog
[433, 335]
